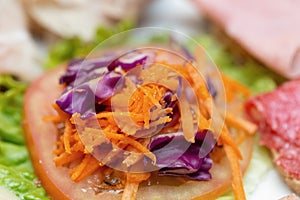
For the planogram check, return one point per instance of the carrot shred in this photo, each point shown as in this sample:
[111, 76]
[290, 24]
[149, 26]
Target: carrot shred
[66, 158]
[187, 121]
[132, 142]
[67, 135]
[54, 119]
[237, 181]
[240, 123]
[130, 191]
[132, 184]
[88, 165]
[146, 109]
[61, 113]
[227, 140]
[233, 88]
[59, 148]
[92, 164]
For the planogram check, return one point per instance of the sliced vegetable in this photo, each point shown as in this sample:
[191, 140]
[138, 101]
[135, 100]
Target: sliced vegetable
[58, 181]
[74, 47]
[16, 172]
[11, 100]
[129, 60]
[177, 157]
[22, 183]
[84, 97]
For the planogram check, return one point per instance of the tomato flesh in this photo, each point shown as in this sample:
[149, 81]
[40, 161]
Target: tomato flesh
[41, 137]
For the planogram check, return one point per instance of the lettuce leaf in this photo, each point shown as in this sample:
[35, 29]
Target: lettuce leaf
[11, 100]
[69, 48]
[16, 173]
[22, 183]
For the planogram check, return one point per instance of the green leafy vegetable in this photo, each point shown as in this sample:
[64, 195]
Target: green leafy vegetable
[16, 173]
[75, 47]
[11, 100]
[12, 154]
[22, 183]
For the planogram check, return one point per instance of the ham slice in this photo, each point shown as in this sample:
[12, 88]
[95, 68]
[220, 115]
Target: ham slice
[268, 29]
[18, 53]
[81, 18]
[277, 115]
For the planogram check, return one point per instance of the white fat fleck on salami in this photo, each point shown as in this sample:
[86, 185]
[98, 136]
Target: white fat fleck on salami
[277, 114]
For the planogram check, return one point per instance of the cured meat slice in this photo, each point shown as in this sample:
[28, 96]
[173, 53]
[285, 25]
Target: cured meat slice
[268, 29]
[70, 18]
[18, 54]
[277, 115]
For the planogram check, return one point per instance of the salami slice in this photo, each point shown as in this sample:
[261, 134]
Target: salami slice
[277, 115]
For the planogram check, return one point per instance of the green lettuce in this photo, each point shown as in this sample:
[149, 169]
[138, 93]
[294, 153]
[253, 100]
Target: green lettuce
[67, 49]
[22, 183]
[11, 100]
[16, 173]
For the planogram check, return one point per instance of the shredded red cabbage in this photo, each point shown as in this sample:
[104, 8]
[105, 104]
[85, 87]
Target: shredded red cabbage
[82, 70]
[211, 88]
[177, 157]
[76, 99]
[129, 61]
[91, 80]
[83, 98]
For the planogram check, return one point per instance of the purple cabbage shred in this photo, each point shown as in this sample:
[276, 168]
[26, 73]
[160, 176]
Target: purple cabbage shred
[177, 157]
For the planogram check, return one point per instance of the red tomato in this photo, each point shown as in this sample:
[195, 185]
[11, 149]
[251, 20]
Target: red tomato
[41, 136]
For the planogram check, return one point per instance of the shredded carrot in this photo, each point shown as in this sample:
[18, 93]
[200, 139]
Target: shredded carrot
[187, 120]
[240, 137]
[66, 158]
[227, 140]
[92, 165]
[88, 165]
[204, 124]
[130, 191]
[61, 113]
[54, 119]
[233, 88]
[237, 181]
[132, 184]
[59, 148]
[132, 142]
[147, 110]
[240, 123]
[67, 135]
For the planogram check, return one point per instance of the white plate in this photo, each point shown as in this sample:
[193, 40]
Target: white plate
[271, 187]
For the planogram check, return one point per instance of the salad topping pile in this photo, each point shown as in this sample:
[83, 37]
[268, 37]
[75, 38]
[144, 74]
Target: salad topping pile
[140, 114]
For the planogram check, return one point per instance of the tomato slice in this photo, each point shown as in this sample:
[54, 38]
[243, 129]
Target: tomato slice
[41, 137]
